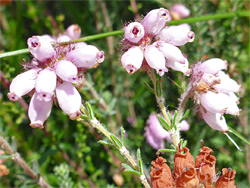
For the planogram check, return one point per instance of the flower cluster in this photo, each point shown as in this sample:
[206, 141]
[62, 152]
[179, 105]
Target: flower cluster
[52, 72]
[215, 91]
[153, 44]
[156, 135]
[188, 173]
[3, 169]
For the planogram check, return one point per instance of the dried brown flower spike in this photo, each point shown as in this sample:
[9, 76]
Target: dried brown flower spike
[188, 179]
[227, 179]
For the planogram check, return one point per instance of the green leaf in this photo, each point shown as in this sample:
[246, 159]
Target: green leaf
[116, 141]
[123, 135]
[174, 119]
[163, 123]
[90, 110]
[169, 116]
[140, 164]
[148, 87]
[158, 88]
[238, 135]
[184, 116]
[167, 150]
[130, 169]
[6, 156]
[105, 143]
[83, 116]
[185, 143]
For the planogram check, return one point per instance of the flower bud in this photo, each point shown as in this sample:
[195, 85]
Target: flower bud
[69, 99]
[155, 59]
[22, 84]
[181, 10]
[176, 35]
[66, 71]
[48, 38]
[39, 111]
[179, 66]
[161, 175]
[213, 66]
[227, 179]
[86, 56]
[46, 84]
[40, 48]
[132, 59]
[80, 44]
[187, 179]
[182, 161]
[134, 32]
[155, 20]
[74, 32]
[215, 120]
[63, 38]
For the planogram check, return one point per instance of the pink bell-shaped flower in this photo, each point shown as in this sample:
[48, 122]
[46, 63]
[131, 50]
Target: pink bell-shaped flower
[69, 99]
[74, 32]
[86, 57]
[176, 35]
[155, 20]
[213, 66]
[41, 48]
[215, 120]
[155, 59]
[46, 84]
[39, 111]
[134, 32]
[66, 71]
[180, 10]
[132, 59]
[171, 52]
[179, 66]
[22, 84]
[63, 38]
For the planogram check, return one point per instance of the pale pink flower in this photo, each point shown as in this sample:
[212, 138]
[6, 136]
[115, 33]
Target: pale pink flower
[213, 66]
[134, 32]
[86, 56]
[155, 59]
[63, 38]
[176, 35]
[181, 10]
[39, 111]
[74, 32]
[66, 71]
[46, 84]
[155, 20]
[41, 48]
[69, 99]
[132, 59]
[22, 84]
[156, 134]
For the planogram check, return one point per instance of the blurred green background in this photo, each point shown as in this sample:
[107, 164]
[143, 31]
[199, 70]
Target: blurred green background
[66, 147]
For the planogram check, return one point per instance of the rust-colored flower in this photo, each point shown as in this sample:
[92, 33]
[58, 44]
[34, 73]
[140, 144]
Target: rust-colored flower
[188, 179]
[161, 175]
[205, 165]
[206, 170]
[182, 161]
[227, 179]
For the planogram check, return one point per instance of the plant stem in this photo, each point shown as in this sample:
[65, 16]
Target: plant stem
[17, 158]
[120, 32]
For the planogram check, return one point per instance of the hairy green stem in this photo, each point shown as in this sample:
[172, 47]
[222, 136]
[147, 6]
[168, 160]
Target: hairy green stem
[120, 32]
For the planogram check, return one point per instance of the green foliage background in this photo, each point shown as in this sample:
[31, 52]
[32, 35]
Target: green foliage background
[65, 146]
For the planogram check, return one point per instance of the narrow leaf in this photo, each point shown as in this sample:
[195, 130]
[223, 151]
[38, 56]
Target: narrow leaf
[181, 143]
[123, 135]
[90, 110]
[185, 143]
[184, 116]
[148, 87]
[163, 123]
[105, 143]
[140, 164]
[174, 119]
[169, 116]
[167, 150]
[116, 141]
[130, 169]
[83, 116]
[238, 135]
[6, 156]
[158, 88]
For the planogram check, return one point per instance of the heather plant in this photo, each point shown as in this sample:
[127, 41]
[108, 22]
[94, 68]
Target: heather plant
[186, 67]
